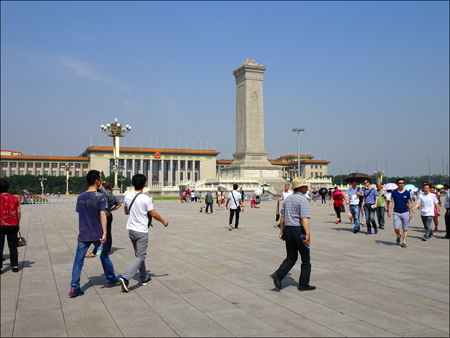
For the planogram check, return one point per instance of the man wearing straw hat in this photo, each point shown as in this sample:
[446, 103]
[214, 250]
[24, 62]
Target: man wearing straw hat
[294, 230]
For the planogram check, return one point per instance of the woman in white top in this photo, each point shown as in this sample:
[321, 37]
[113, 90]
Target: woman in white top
[427, 202]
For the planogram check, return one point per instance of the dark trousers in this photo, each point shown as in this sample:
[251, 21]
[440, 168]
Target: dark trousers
[294, 245]
[11, 235]
[210, 205]
[232, 212]
[447, 223]
[380, 216]
[370, 217]
[338, 212]
[324, 199]
[109, 220]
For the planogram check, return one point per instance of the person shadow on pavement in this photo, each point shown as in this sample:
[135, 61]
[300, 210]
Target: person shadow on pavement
[287, 281]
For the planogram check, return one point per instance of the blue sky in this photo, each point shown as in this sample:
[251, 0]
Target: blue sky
[369, 81]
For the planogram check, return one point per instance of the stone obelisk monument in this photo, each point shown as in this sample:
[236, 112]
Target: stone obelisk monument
[250, 159]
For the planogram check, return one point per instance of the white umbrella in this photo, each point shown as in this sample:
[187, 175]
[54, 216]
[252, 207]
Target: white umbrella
[222, 186]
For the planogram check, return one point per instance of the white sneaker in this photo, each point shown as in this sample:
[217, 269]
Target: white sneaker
[230, 227]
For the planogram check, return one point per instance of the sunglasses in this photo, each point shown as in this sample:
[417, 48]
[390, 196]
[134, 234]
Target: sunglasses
[401, 182]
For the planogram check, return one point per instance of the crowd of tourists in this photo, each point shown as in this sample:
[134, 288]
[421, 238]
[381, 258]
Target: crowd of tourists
[96, 205]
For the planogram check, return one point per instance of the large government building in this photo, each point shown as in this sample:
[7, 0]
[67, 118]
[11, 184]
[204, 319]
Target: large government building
[160, 165]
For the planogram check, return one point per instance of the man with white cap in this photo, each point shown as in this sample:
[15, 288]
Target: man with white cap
[294, 230]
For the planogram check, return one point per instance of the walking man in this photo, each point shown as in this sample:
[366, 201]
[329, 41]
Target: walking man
[287, 192]
[381, 205]
[235, 207]
[369, 204]
[402, 211]
[112, 204]
[427, 202]
[137, 206]
[209, 202]
[294, 230]
[92, 230]
[352, 197]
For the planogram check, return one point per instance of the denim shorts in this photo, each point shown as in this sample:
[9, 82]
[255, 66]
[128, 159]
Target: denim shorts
[402, 219]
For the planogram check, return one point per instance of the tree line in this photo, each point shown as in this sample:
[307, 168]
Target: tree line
[56, 184]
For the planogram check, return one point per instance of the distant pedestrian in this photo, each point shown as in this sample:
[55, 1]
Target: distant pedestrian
[236, 205]
[92, 230]
[219, 197]
[381, 206]
[315, 196]
[322, 193]
[10, 225]
[353, 195]
[427, 202]
[287, 192]
[242, 195]
[138, 206]
[434, 191]
[209, 202]
[295, 232]
[369, 204]
[338, 201]
[402, 211]
[447, 211]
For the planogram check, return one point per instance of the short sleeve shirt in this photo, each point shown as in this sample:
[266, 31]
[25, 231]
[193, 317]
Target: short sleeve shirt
[89, 205]
[9, 210]
[138, 219]
[400, 201]
[295, 207]
[286, 194]
[370, 195]
[381, 199]
[427, 203]
[235, 200]
[111, 200]
[354, 198]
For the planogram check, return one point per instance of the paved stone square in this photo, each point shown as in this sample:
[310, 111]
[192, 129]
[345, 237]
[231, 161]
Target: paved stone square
[208, 281]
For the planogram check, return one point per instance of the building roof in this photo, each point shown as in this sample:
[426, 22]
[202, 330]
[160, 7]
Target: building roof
[44, 158]
[277, 162]
[151, 150]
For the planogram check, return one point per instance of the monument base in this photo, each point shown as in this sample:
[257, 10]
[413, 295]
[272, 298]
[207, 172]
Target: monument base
[251, 171]
[116, 191]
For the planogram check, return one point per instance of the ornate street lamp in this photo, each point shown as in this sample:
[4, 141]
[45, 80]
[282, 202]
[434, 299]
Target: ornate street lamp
[115, 130]
[298, 130]
[42, 179]
[379, 173]
[67, 167]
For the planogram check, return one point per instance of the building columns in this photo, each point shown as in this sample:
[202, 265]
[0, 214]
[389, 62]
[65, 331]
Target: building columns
[151, 173]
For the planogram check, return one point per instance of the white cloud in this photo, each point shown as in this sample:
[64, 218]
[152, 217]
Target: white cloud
[86, 69]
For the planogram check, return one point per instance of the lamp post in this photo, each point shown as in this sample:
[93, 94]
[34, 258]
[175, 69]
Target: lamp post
[42, 179]
[379, 173]
[298, 130]
[115, 130]
[67, 167]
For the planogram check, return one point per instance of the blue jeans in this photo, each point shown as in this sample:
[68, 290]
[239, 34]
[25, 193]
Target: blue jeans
[210, 206]
[370, 217]
[355, 210]
[82, 248]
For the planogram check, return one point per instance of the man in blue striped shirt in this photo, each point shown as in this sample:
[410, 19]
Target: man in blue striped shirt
[294, 230]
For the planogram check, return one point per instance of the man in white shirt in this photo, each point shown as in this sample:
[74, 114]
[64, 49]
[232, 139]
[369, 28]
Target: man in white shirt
[287, 192]
[137, 206]
[235, 198]
[352, 198]
[427, 202]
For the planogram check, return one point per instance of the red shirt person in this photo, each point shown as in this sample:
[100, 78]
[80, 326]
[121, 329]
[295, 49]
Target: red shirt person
[9, 224]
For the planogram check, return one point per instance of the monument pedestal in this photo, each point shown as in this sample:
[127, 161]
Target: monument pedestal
[116, 191]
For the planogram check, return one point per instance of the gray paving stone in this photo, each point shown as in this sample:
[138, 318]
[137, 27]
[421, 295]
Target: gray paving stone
[208, 281]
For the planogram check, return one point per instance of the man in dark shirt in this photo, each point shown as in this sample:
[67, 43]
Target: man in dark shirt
[294, 229]
[92, 230]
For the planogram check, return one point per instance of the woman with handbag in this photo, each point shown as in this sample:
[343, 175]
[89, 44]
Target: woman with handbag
[9, 226]
[338, 202]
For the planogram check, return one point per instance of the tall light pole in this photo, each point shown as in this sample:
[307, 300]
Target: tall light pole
[115, 130]
[429, 173]
[42, 179]
[67, 167]
[298, 131]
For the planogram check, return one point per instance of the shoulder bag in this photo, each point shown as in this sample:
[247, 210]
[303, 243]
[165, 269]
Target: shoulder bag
[150, 218]
[238, 205]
